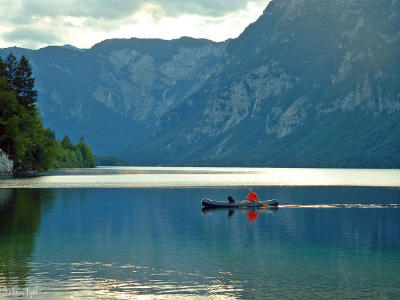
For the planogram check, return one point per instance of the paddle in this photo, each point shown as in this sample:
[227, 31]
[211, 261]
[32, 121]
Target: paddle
[263, 205]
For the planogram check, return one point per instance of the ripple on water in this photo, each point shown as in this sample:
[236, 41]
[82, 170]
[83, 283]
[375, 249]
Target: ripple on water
[105, 281]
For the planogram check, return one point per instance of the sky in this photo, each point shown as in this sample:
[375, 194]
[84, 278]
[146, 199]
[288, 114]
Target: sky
[35, 24]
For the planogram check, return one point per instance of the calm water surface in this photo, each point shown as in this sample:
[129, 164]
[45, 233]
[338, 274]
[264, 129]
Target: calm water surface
[125, 177]
[324, 242]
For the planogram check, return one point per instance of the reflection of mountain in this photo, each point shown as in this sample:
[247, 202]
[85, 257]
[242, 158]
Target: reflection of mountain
[18, 228]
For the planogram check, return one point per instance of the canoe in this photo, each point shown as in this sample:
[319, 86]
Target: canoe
[208, 203]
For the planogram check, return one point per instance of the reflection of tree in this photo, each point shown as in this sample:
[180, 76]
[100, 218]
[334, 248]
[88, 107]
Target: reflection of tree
[5, 199]
[18, 227]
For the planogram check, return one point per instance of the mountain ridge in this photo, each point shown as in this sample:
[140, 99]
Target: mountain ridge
[114, 92]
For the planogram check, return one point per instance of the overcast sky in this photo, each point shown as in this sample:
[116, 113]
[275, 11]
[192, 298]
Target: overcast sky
[82, 23]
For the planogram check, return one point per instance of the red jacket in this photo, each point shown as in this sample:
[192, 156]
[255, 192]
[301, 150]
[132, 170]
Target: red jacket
[252, 197]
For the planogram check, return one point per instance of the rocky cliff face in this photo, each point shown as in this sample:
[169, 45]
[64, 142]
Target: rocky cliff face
[136, 84]
[318, 79]
[332, 54]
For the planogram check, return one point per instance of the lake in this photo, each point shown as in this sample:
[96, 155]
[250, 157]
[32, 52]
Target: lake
[135, 177]
[141, 232]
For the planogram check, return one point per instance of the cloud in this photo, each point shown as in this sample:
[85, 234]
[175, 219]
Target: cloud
[35, 23]
[117, 9]
[210, 8]
[33, 36]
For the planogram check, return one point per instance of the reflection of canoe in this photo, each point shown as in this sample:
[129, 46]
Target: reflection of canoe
[206, 211]
[208, 203]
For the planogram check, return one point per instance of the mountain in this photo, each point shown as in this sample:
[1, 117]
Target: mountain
[114, 93]
[312, 83]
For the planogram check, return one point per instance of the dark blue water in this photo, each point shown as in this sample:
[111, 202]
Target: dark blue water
[112, 243]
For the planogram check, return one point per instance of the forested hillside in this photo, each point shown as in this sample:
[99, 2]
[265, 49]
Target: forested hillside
[23, 138]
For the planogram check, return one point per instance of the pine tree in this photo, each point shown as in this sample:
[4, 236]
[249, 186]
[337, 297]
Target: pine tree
[66, 143]
[3, 69]
[11, 69]
[25, 83]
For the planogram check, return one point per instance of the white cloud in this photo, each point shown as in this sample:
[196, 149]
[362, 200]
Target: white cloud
[83, 23]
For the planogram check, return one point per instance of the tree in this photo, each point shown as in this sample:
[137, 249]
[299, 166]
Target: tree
[24, 84]
[66, 143]
[22, 136]
[3, 69]
[45, 150]
[11, 118]
[87, 154]
[11, 69]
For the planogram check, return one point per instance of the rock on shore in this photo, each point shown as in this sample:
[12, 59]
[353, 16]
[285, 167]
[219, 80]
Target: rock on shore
[6, 165]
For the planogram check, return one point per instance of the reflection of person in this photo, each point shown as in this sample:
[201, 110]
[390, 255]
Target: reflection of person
[251, 197]
[252, 216]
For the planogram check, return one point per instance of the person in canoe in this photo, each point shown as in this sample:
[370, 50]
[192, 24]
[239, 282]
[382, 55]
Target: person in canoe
[251, 197]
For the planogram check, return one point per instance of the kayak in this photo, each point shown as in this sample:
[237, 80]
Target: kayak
[208, 203]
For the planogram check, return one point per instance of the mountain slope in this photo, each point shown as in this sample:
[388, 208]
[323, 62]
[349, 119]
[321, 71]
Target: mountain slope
[311, 83]
[114, 93]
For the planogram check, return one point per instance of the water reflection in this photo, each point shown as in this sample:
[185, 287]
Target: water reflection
[6, 199]
[251, 214]
[124, 243]
[19, 225]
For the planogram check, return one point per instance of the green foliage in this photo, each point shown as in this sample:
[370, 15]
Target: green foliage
[11, 69]
[66, 143]
[22, 136]
[3, 70]
[70, 156]
[87, 154]
[24, 84]
[11, 116]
